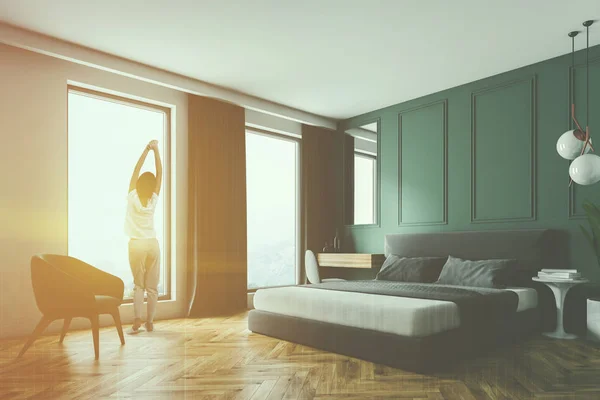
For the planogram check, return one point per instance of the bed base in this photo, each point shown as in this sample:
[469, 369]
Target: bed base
[432, 353]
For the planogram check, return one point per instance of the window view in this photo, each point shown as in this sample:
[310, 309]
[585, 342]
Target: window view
[106, 138]
[272, 207]
[364, 189]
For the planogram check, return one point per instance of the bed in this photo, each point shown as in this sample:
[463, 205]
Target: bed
[414, 326]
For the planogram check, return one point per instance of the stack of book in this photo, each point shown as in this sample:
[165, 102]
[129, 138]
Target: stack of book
[559, 274]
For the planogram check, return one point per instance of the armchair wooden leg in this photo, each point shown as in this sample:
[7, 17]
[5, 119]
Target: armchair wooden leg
[96, 334]
[117, 317]
[39, 329]
[65, 329]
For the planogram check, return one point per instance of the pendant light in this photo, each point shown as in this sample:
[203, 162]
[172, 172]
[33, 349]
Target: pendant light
[585, 169]
[571, 143]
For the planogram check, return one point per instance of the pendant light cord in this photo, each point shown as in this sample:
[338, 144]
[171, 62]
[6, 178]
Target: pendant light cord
[573, 34]
[573, 51]
[587, 78]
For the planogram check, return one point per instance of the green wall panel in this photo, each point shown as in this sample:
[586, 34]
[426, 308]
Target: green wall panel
[503, 152]
[423, 161]
[520, 180]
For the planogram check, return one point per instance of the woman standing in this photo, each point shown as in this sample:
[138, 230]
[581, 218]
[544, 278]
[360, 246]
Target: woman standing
[144, 252]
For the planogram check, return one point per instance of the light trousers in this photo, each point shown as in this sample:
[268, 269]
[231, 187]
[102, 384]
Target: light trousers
[144, 259]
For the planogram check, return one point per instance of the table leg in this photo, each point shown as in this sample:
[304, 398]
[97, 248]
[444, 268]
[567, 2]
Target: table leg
[560, 292]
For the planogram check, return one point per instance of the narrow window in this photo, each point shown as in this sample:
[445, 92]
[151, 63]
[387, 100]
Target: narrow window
[365, 178]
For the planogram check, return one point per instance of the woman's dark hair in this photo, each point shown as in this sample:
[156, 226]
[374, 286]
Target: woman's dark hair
[146, 184]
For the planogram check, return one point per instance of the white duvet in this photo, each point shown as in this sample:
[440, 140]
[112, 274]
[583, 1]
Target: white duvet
[397, 315]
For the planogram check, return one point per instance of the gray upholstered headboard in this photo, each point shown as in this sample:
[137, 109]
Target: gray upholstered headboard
[546, 248]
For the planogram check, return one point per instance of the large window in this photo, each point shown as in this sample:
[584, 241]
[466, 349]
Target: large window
[272, 179]
[106, 136]
[365, 178]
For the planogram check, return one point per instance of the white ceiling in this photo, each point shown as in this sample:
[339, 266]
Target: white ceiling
[335, 58]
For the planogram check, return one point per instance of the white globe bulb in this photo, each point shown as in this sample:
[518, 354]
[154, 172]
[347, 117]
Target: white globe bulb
[585, 169]
[569, 146]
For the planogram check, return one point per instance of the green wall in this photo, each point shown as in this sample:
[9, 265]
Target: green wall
[482, 156]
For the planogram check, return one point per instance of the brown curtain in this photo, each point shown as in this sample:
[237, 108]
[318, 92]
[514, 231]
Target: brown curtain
[320, 159]
[217, 259]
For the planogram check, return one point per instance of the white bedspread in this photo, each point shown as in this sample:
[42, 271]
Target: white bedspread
[397, 315]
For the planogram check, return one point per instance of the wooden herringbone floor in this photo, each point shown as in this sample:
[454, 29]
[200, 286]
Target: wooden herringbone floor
[221, 359]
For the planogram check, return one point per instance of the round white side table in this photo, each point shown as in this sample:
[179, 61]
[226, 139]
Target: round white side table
[560, 288]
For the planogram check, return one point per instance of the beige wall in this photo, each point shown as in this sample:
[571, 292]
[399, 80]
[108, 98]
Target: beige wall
[33, 176]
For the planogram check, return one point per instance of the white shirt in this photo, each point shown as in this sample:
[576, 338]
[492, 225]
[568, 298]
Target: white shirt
[139, 221]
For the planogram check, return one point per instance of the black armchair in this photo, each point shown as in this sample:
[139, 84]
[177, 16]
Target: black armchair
[65, 288]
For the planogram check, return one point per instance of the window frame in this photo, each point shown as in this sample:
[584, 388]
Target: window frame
[166, 252]
[343, 127]
[298, 221]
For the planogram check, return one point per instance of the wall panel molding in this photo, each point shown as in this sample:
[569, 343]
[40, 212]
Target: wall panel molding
[444, 135]
[531, 82]
[573, 214]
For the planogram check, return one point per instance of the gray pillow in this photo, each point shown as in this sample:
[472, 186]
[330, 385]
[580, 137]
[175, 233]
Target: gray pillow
[417, 269]
[480, 273]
